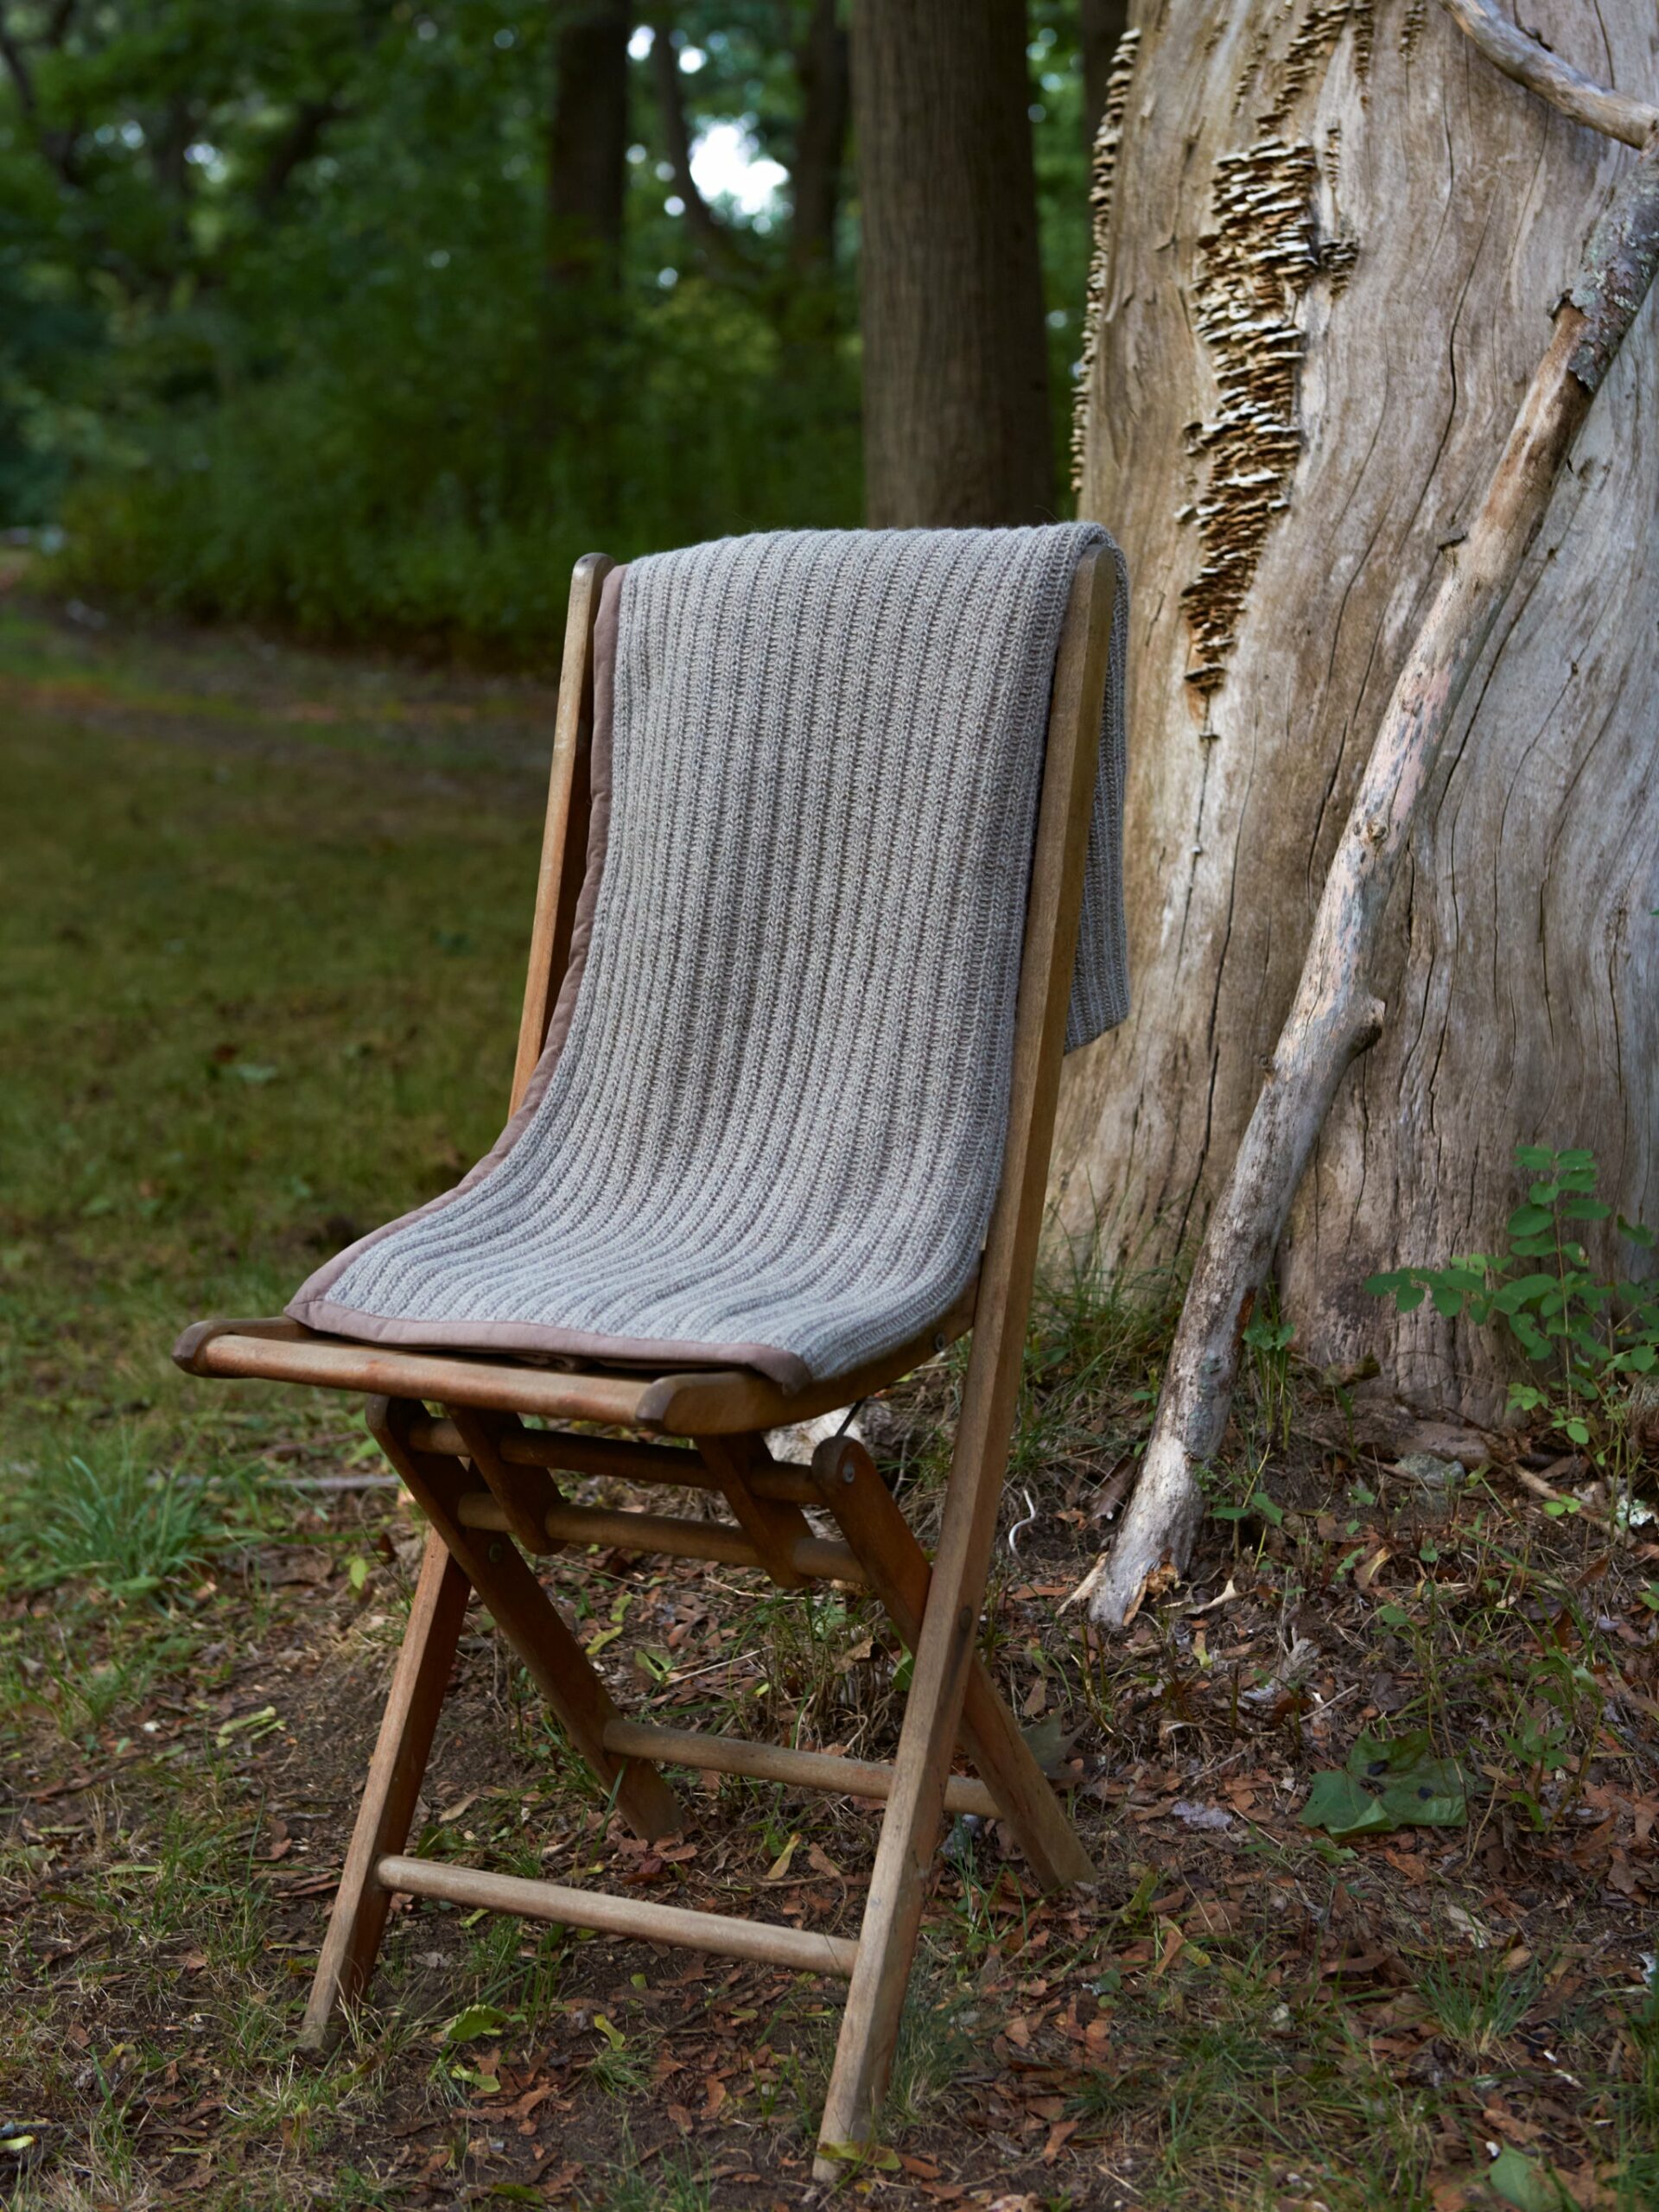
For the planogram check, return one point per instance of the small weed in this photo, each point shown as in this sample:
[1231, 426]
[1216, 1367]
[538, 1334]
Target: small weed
[1589, 1340]
[622, 2065]
[1550, 1733]
[111, 1521]
[1478, 2002]
[676, 2180]
[935, 2041]
[1267, 1339]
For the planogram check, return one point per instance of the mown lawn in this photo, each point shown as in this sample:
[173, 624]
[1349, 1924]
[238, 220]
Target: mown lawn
[261, 923]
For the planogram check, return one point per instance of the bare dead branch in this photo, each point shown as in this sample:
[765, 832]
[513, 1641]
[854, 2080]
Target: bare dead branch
[1520, 55]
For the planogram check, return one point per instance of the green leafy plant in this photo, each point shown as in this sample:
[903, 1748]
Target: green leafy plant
[1268, 1340]
[1555, 1712]
[1588, 1338]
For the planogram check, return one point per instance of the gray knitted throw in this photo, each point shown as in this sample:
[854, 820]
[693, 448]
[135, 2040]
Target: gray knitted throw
[768, 1125]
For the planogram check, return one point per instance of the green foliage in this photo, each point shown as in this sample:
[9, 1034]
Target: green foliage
[1588, 1337]
[1550, 1733]
[283, 337]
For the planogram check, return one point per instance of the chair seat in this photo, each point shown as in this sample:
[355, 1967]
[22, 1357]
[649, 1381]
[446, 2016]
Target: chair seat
[701, 1401]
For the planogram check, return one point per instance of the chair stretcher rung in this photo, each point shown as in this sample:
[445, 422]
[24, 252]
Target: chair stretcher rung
[818, 1557]
[760, 1940]
[826, 1770]
[627, 1462]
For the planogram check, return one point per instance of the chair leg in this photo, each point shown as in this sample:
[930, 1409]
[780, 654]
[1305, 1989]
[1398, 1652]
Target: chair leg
[359, 1918]
[946, 1650]
[899, 1573]
[772, 1527]
[899, 1882]
[534, 1627]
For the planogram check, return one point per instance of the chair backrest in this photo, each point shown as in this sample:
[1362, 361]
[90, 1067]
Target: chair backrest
[838, 792]
[877, 867]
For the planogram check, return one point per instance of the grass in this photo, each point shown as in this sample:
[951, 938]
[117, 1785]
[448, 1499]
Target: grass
[262, 920]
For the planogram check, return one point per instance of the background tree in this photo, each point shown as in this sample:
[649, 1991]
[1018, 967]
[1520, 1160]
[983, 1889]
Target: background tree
[588, 141]
[363, 320]
[1101, 25]
[824, 69]
[957, 423]
[1331, 256]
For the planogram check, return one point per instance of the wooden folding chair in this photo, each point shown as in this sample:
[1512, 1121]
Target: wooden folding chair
[485, 1483]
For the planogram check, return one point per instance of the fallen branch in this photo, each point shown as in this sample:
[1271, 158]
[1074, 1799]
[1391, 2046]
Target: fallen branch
[1334, 1016]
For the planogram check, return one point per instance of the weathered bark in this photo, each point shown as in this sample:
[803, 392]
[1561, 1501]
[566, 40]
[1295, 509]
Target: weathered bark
[1101, 24]
[1335, 238]
[956, 364]
[588, 142]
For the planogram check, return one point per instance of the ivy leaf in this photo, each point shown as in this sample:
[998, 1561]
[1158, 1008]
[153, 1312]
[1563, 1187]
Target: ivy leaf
[1428, 1796]
[1417, 1789]
[1337, 1804]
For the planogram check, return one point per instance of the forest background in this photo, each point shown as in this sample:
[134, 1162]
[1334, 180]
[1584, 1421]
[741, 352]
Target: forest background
[300, 325]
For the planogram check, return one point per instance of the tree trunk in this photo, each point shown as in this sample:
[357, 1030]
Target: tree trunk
[587, 170]
[1101, 24]
[823, 72]
[955, 364]
[1332, 247]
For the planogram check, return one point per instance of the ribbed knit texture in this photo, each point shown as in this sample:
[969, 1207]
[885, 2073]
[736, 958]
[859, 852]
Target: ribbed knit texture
[775, 1127]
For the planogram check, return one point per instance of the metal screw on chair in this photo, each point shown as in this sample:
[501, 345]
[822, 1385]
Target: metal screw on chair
[496, 1553]
[849, 1468]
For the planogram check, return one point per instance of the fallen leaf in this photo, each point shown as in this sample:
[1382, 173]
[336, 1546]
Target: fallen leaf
[1173, 1940]
[264, 1720]
[779, 1869]
[1522, 2181]
[1389, 1783]
[1209, 1605]
[475, 2023]
[1058, 2136]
